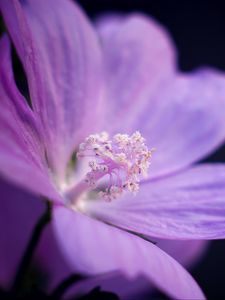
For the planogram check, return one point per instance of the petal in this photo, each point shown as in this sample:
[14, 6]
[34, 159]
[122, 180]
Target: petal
[185, 120]
[187, 253]
[94, 247]
[62, 60]
[189, 205]
[114, 282]
[57, 269]
[22, 157]
[138, 56]
[107, 25]
[18, 214]
[49, 256]
[180, 115]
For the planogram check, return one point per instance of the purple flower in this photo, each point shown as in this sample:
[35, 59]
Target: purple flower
[121, 81]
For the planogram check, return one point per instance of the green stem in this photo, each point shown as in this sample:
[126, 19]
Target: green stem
[27, 257]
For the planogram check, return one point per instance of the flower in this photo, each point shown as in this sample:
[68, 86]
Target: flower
[123, 81]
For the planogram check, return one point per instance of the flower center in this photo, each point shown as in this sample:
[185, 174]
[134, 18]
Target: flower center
[115, 165]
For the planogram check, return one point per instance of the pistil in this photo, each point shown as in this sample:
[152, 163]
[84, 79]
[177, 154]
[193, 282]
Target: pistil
[116, 165]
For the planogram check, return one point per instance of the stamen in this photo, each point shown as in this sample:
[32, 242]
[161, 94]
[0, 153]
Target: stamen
[121, 161]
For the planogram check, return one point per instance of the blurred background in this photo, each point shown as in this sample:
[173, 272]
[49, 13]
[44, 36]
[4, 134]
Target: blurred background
[198, 31]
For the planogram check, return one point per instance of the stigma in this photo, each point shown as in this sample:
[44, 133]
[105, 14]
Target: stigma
[115, 165]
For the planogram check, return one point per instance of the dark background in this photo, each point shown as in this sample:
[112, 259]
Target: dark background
[198, 30]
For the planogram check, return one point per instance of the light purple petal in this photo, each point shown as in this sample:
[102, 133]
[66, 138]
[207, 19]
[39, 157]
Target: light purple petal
[22, 157]
[186, 253]
[138, 57]
[57, 268]
[189, 205]
[116, 282]
[94, 247]
[180, 115]
[108, 24]
[185, 120]
[62, 60]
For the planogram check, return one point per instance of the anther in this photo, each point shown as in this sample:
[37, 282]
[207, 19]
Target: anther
[121, 161]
